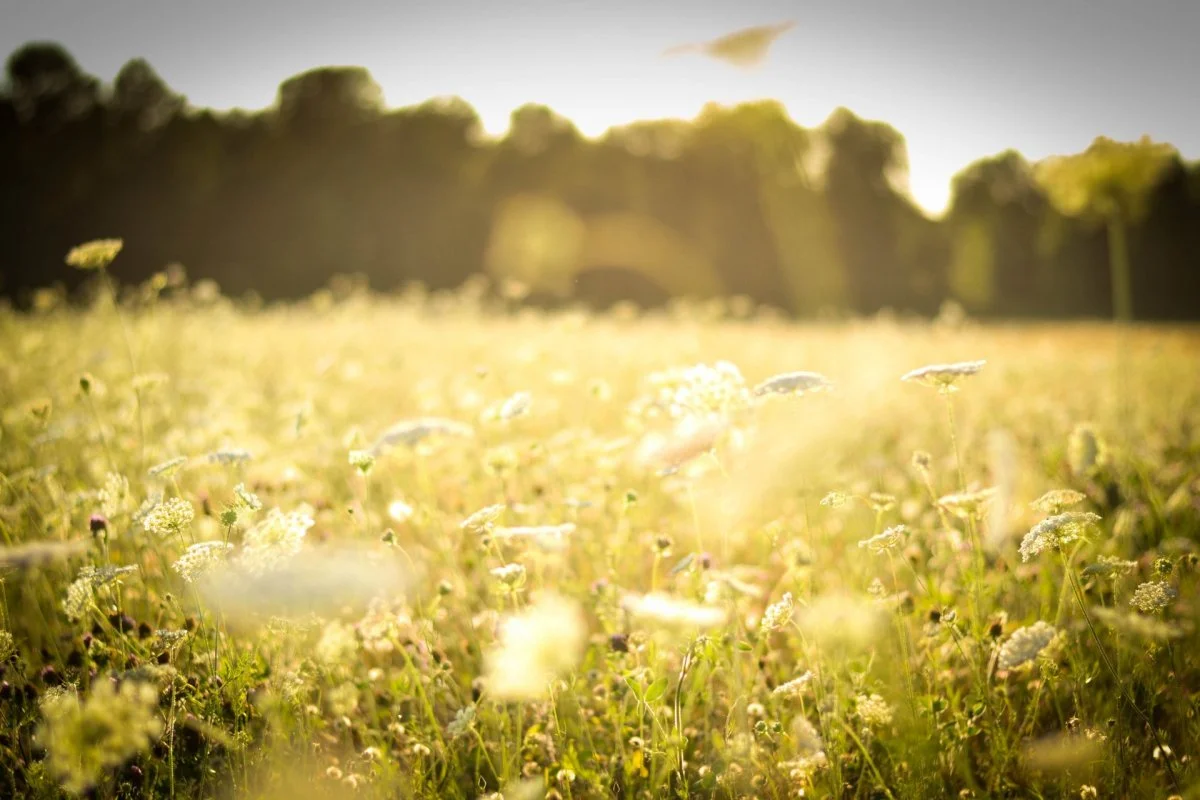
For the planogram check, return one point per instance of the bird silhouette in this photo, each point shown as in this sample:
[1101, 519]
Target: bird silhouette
[743, 48]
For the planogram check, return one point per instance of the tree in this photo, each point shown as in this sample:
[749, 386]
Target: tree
[142, 98]
[47, 87]
[1109, 182]
[329, 98]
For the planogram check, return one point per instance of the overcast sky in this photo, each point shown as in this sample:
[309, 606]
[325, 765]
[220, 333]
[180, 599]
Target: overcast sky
[960, 79]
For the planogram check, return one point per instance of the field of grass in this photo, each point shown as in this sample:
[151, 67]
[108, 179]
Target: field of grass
[334, 549]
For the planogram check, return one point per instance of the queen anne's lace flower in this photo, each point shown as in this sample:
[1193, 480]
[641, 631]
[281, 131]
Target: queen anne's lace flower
[274, 540]
[795, 383]
[1025, 644]
[1152, 597]
[167, 468]
[114, 497]
[699, 390]
[483, 520]
[82, 589]
[1055, 500]
[778, 614]
[410, 432]
[873, 710]
[943, 377]
[200, 558]
[966, 505]
[795, 687]
[1054, 532]
[170, 517]
[889, 539]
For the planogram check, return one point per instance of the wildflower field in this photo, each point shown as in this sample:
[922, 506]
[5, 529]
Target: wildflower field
[443, 547]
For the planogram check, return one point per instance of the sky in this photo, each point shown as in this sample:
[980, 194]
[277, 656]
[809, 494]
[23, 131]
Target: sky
[960, 79]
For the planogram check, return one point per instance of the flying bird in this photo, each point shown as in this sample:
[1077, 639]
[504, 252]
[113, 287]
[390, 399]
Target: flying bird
[743, 48]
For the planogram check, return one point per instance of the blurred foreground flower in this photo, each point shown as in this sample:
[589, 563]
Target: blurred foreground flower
[83, 738]
[793, 383]
[672, 612]
[536, 646]
[321, 580]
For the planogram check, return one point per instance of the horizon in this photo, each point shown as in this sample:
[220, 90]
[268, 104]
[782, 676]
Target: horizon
[604, 66]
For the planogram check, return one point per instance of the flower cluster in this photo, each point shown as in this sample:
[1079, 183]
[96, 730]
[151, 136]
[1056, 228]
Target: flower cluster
[943, 377]
[889, 539]
[1053, 533]
[778, 614]
[1152, 597]
[699, 390]
[201, 558]
[274, 540]
[1025, 644]
[873, 710]
[170, 517]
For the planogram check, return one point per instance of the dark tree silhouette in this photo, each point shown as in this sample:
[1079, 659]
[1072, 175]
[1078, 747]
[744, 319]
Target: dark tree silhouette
[740, 200]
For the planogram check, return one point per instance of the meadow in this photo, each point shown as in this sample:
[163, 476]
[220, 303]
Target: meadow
[443, 546]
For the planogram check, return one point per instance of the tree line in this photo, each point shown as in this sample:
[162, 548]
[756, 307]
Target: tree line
[739, 201]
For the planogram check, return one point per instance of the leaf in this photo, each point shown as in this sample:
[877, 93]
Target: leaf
[656, 690]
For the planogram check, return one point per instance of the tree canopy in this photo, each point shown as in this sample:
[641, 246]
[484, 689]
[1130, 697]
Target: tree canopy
[740, 200]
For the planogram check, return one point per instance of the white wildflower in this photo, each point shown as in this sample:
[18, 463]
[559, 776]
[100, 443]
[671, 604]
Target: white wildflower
[793, 383]
[795, 687]
[699, 390]
[1152, 597]
[535, 646]
[1054, 532]
[483, 520]
[229, 457]
[968, 505]
[873, 710]
[778, 614]
[515, 406]
[114, 497]
[400, 511]
[246, 499]
[1025, 644]
[943, 377]
[835, 500]
[510, 576]
[275, 539]
[410, 432]
[1055, 500]
[170, 517]
[338, 644]
[889, 539]
[669, 611]
[550, 537]
[167, 468]
[200, 558]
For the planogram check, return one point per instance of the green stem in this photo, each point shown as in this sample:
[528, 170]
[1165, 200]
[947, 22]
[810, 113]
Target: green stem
[1168, 754]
